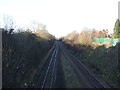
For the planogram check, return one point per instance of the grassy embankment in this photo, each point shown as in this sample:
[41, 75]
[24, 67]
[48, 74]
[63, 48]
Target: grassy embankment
[70, 77]
[103, 61]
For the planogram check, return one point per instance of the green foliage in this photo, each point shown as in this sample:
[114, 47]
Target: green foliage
[21, 53]
[116, 33]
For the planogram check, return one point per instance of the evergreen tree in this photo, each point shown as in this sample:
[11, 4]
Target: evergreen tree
[116, 33]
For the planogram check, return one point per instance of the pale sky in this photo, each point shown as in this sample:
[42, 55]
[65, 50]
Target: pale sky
[63, 16]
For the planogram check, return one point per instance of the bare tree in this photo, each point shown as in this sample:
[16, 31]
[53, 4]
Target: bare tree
[85, 37]
[9, 23]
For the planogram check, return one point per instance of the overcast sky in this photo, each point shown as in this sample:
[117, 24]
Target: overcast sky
[63, 16]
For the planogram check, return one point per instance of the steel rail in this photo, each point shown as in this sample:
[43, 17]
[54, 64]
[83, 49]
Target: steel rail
[53, 72]
[53, 60]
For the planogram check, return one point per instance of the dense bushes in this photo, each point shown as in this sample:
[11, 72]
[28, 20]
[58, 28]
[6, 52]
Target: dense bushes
[21, 53]
[103, 61]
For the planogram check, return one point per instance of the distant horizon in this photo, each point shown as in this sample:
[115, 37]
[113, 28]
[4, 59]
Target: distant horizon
[64, 16]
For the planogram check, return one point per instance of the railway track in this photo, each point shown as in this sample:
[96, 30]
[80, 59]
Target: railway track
[48, 79]
[90, 76]
[48, 76]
